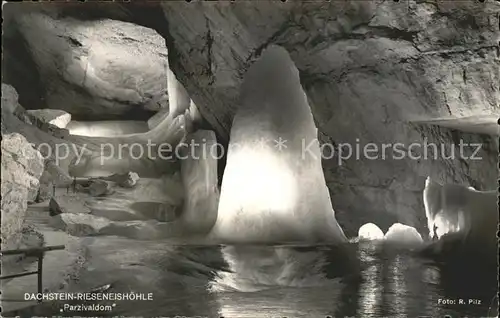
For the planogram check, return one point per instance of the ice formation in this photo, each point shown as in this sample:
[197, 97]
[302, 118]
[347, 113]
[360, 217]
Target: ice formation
[273, 189]
[370, 232]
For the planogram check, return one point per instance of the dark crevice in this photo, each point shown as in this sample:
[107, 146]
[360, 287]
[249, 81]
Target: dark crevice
[210, 61]
[75, 42]
[446, 103]
[71, 40]
[449, 53]
[130, 39]
[393, 33]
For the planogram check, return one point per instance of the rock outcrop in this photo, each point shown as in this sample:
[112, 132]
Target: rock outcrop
[41, 119]
[55, 208]
[69, 202]
[56, 175]
[94, 187]
[22, 166]
[56, 117]
[79, 224]
[125, 180]
[9, 99]
[10, 106]
[98, 188]
[92, 69]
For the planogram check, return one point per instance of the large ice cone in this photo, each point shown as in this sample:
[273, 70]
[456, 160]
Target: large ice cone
[273, 188]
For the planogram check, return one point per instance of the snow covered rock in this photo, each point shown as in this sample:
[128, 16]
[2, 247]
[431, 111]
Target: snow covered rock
[55, 117]
[403, 234]
[79, 224]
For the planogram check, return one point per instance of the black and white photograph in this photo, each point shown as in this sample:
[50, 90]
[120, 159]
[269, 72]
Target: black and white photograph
[250, 159]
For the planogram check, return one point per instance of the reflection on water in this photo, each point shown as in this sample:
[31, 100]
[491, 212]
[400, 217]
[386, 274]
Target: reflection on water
[358, 280]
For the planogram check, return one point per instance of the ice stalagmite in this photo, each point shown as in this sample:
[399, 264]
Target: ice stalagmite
[273, 188]
[199, 177]
[178, 97]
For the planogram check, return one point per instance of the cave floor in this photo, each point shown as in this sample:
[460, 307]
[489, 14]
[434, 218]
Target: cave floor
[98, 258]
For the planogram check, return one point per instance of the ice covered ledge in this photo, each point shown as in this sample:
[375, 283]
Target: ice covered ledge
[479, 124]
[108, 128]
[273, 191]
